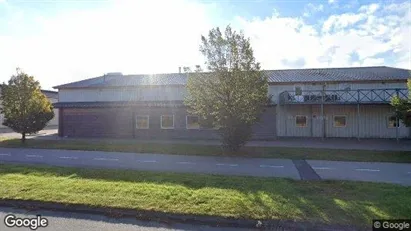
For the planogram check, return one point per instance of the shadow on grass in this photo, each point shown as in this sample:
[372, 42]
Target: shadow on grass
[334, 202]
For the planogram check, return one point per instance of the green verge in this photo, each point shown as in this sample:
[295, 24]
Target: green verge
[330, 202]
[213, 150]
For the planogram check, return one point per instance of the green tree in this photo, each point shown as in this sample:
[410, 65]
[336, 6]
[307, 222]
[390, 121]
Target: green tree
[26, 109]
[403, 107]
[233, 93]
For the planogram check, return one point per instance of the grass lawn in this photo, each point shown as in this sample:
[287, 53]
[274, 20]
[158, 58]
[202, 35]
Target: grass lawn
[331, 202]
[209, 150]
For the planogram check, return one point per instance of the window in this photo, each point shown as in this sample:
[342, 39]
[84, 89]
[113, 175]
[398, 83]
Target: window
[192, 122]
[301, 121]
[340, 121]
[142, 122]
[167, 121]
[298, 91]
[392, 121]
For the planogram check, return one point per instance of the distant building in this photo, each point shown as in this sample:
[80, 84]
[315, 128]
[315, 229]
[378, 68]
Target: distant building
[326, 102]
[53, 97]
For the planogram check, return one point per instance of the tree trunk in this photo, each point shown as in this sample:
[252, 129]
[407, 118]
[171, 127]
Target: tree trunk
[23, 137]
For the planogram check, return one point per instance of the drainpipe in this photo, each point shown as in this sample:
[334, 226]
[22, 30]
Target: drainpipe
[397, 121]
[358, 115]
[322, 112]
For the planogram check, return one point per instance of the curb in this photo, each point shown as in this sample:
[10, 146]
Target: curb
[168, 218]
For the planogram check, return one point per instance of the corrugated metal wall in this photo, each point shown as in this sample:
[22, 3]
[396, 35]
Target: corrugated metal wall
[122, 94]
[373, 121]
[178, 92]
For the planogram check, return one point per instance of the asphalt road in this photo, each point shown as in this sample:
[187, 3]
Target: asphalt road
[65, 221]
[263, 167]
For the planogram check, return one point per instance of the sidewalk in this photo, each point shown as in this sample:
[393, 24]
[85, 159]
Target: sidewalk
[295, 142]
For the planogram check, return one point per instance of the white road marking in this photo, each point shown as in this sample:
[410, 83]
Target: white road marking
[4, 154]
[34, 156]
[231, 165]
[367, 170]
[147, 161]
[68, 157]
[185, 162]
[106, 159]
[271, 166]
[322, 168]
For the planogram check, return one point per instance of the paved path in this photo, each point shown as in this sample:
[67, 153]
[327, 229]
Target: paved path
[48, 133]
[262, 167]
[301, 142]
[65, 221]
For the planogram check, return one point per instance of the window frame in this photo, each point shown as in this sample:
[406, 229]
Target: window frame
[388, 121]
[198, 118]
[345, 125]
[148, 121]
[306, 121]
[161, 122]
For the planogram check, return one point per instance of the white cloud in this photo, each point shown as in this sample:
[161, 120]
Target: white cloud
[342, 21]
[133, 37]
[369, 9]
[331, 1]
[373, 62]
[311, 9]
[279, 41]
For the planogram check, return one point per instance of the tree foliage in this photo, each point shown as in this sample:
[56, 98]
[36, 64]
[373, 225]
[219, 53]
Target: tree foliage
[232, 95]
[26, 109]
[403, 107]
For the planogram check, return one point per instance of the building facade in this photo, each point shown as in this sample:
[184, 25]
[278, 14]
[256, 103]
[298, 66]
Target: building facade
[333, 102]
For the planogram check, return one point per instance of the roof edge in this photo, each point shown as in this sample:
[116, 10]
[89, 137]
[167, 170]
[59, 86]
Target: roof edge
[69, 85]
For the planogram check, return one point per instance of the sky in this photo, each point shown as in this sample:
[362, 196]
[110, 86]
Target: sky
[63, 41]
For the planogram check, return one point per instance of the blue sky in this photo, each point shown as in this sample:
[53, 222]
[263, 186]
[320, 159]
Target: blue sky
[64, 41]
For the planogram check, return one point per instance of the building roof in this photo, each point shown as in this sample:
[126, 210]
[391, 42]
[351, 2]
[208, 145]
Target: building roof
[51, 94]
[378, 73]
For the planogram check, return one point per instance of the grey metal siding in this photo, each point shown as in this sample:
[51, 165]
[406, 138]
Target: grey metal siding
[154, 93]
[373, 121]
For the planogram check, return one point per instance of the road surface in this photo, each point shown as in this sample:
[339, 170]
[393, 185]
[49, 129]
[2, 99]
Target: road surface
[66, 221]
[262, 167]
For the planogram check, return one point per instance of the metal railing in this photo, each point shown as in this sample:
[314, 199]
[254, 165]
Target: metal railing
[361, 96]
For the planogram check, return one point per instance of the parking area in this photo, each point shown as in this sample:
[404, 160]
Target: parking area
[48, 132]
